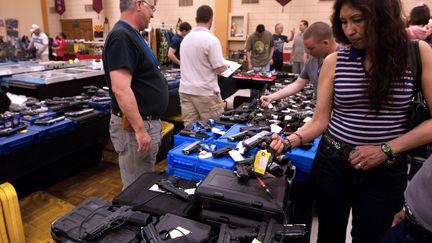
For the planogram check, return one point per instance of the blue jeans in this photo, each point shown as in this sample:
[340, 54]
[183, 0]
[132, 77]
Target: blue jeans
[374, 196]
[402, 233]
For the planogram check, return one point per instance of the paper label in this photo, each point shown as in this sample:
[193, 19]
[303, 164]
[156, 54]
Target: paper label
[235, 155]
[261, 160]
[177, 232]
[275, 128]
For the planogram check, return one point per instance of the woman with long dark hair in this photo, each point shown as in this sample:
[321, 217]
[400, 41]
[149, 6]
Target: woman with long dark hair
[364, 94]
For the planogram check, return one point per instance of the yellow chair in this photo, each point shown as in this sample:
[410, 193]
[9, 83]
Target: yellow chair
[11, 226]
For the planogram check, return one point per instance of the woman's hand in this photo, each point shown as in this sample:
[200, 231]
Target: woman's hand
[367, 156]
[277, 144]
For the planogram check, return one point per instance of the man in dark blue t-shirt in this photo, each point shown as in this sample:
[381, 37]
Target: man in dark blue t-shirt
[138, 90]
[174, 50]
[279, 41]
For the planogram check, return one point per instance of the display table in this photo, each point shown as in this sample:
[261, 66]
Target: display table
[62, 89]
[37, 166]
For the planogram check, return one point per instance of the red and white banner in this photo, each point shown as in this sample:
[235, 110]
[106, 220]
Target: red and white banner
[60, 6]
[97, 6]
[283, 2]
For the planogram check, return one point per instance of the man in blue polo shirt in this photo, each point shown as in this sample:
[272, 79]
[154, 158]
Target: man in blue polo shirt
[174, 50]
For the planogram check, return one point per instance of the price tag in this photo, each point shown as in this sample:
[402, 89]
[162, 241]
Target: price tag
[261, 160]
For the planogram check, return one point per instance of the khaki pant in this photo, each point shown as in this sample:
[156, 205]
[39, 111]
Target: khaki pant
[132, 163]
[200, 108]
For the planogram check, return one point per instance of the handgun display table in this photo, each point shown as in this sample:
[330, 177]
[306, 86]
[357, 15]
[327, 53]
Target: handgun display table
[60, 89]
[50, 140]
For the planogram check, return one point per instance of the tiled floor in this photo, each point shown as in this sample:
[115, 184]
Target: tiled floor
[41, 208]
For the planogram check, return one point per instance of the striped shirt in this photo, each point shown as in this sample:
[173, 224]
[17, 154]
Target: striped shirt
[352, 121]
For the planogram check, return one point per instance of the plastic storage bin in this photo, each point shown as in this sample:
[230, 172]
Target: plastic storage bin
[303, 160]
[190, 165]
[46, 132]
[223, 140]
[185, 174]
[18, 140]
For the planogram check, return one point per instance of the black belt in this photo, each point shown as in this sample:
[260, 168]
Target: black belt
[144, 117]
[336, 144]
[345, 149]
[415, 226]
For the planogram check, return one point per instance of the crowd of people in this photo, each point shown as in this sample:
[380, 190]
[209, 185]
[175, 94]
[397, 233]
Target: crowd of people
[364, 87]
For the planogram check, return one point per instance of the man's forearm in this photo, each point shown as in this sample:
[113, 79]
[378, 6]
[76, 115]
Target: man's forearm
[172, 56]
[271, 53]
[128, 105]
[43, 48]
[248, 57]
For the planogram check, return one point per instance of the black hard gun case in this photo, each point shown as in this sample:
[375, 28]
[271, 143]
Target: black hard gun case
[216, 218]
[156, 203]
[221, 191]
[73, 226]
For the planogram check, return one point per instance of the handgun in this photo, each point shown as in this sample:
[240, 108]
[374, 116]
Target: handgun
[291, 232]
[240, 136]
[169, 186]
[243, 118]
[194, 134]
[150, 234]
[33, 112]
[79, 113]
[227, 235]
[254, 141]
[49, 121]
[255, 129]
[202, 126]
[195, 146]
[101, 99]
[222, 152]
[122, 215]
[11, 130]
[243, 168]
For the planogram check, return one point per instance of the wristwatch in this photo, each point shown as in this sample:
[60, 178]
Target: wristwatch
[388, 151]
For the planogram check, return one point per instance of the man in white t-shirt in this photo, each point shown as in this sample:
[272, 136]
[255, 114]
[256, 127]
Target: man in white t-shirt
[201, 61]
[39, 40]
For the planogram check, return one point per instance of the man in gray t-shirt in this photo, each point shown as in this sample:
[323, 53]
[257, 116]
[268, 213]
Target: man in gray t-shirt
[415, 223]
[318, 40]
[298, 57]
[259, 50]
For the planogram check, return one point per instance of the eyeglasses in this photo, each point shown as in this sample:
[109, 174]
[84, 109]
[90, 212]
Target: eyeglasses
[152, 7]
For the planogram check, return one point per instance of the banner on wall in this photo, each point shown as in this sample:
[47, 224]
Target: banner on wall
[283, 2]
[60, 6]
[11, 27]
[97, 6]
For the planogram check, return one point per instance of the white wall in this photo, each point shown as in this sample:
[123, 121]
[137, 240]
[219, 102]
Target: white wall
[168, 11]
[75, 10]
[267, 12]
[270, 12]
[27, 12]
